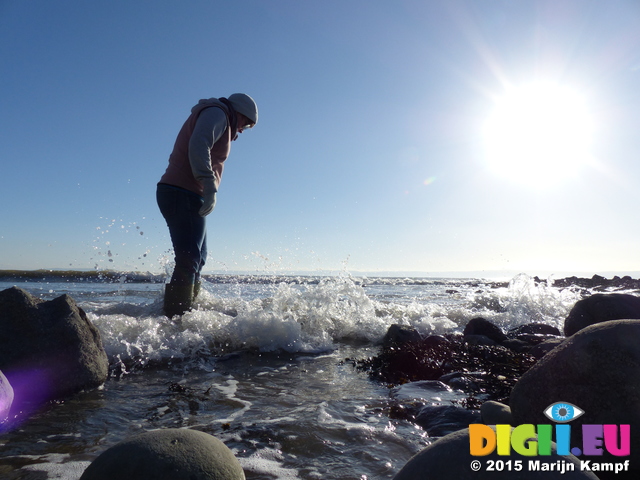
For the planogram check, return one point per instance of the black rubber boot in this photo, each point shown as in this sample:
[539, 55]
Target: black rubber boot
[196, 289]
[177, 299]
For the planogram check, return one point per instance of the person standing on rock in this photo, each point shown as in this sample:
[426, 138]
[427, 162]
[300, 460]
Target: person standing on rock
[186, 193]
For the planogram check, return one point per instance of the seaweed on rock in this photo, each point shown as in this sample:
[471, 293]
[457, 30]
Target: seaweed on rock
[486, 371]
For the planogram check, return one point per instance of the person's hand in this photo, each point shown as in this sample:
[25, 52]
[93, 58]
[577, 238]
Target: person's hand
[209, 196]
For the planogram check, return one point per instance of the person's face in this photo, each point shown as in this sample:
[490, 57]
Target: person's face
[243, 122]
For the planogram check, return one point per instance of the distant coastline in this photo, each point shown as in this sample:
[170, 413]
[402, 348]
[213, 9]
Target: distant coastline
[596, 281]
[109, 276]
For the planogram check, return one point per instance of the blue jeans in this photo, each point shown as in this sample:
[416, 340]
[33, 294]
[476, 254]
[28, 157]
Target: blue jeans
[187, 228]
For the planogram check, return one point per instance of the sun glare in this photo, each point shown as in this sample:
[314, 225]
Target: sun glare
[538, 134]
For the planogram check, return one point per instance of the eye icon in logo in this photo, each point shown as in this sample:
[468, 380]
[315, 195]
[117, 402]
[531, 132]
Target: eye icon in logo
[563, 412]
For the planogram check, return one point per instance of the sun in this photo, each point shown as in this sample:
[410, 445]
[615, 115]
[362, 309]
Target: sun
[538, 133]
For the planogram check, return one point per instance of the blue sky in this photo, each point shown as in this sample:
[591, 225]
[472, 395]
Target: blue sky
[370, 153]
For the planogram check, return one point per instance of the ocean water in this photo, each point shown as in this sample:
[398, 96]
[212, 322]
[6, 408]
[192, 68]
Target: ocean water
[265, 363]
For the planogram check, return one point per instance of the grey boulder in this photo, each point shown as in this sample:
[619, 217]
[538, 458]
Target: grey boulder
[449, 458]
[169, 454]
[601, 307]
[48, 349]
[597, 370]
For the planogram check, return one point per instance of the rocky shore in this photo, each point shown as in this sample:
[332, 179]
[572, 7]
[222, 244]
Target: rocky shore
[596, 283]
[511, 378]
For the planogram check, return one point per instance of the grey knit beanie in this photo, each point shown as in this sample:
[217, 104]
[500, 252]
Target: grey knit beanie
[244, 104]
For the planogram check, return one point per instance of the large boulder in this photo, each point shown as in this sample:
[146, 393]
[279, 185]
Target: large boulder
[169, 454]
[449, 458]
[48, 349]
[601, 307]
[596, 369]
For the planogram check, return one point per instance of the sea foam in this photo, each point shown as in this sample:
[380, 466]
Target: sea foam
[314, 317]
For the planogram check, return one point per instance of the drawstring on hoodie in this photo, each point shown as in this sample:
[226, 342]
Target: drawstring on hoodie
[233, 119]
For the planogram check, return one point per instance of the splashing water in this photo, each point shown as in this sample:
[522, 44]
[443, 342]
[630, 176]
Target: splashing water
[314, 317]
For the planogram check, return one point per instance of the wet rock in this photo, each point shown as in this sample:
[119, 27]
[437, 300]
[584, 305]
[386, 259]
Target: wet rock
[532, 339]
[481, 326]
[408, 400]
[449, 458]
[479, 340]
[399, 335]
[422, 391]
[535, 329]
[463, 381]
[450, 376]
[480, 331]
[169, 454]
[435, 341]
[498, 367]
[440, 420]
[517, 345]
[540, 350]
[496, 413]
[596, 369]
[601, 307]
[48, 350]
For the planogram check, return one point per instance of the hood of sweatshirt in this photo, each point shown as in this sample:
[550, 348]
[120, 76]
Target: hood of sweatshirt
[226, 108]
